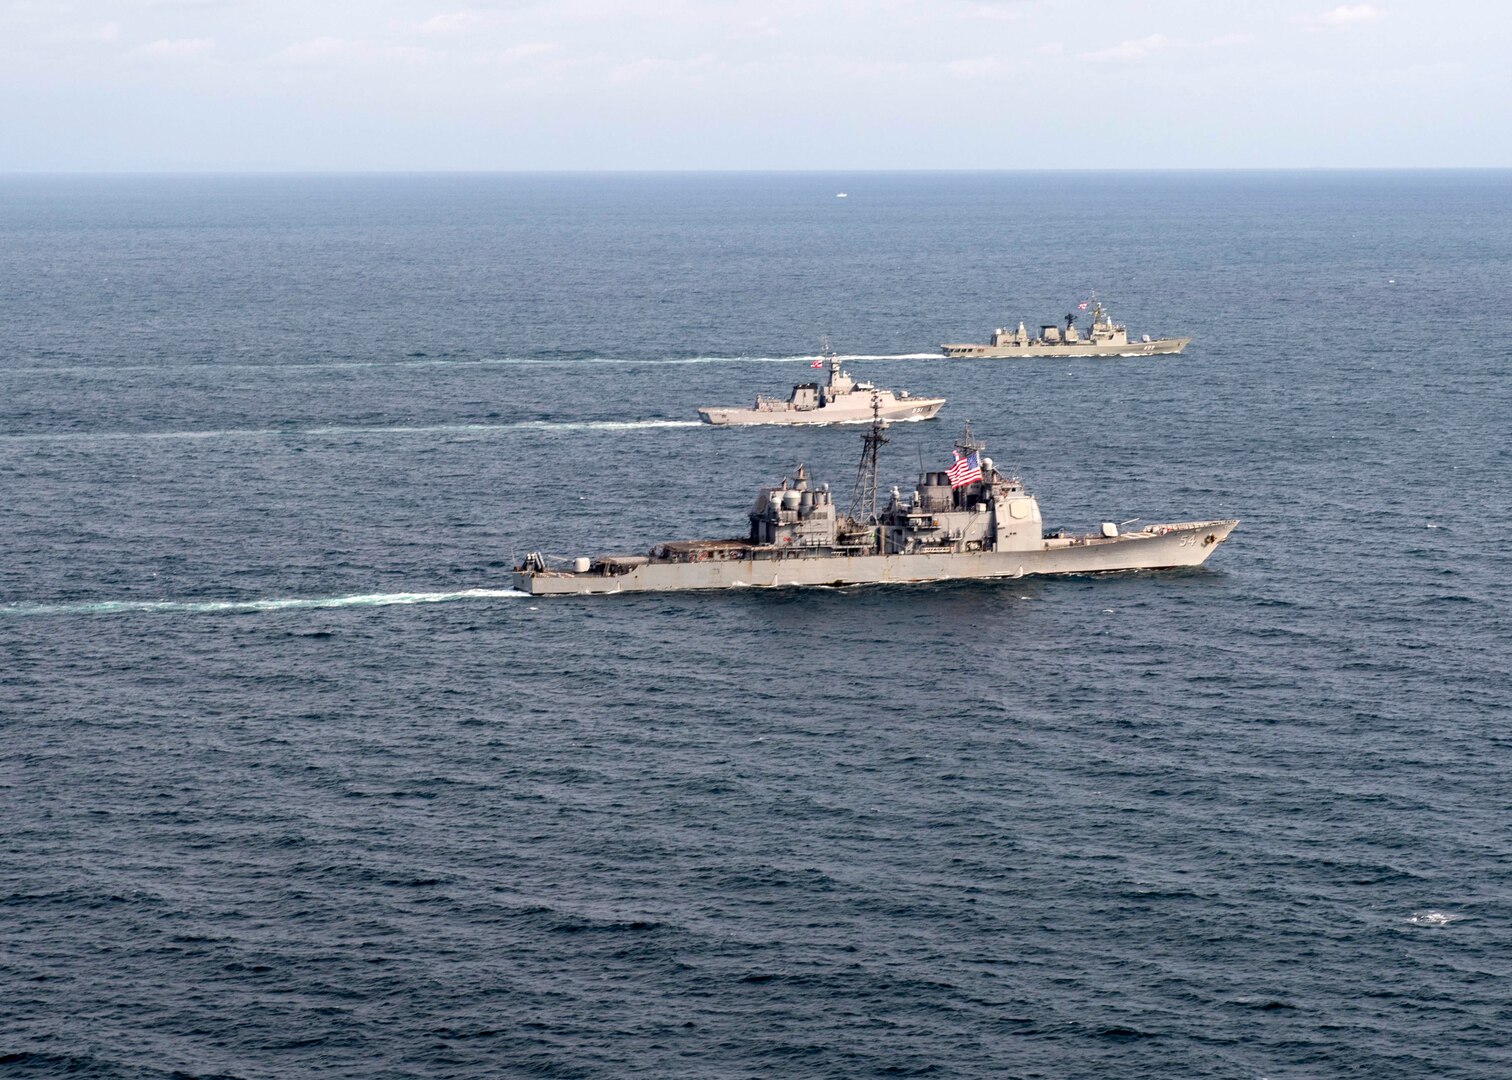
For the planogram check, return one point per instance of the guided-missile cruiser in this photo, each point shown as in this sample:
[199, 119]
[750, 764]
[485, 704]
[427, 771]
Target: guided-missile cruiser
[967, 521]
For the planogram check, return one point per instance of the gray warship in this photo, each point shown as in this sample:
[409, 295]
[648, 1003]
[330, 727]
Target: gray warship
[840, 400]
[970, 521]
[1104, 338]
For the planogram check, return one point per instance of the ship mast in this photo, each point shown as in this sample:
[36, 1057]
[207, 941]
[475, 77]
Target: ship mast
[833, 361]
[864, 496]
[967, 442]
[1097, 309]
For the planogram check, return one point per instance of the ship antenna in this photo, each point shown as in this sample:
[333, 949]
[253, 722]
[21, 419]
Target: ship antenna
[829, 355]
[864, 497]
[967, 442]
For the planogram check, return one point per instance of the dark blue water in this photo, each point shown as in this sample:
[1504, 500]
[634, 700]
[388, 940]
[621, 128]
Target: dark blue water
[293, 784]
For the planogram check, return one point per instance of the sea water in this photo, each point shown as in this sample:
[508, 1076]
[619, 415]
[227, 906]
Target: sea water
[293, 782]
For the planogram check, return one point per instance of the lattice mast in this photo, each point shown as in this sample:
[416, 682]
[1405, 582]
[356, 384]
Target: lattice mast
[863, 507]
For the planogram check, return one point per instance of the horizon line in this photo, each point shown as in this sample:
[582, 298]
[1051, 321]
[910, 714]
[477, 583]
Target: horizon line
[1149, 170]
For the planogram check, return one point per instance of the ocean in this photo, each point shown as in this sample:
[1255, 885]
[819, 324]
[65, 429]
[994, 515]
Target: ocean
[294, 783]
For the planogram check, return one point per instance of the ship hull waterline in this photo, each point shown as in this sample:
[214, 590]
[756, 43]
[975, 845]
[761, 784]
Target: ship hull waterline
[907, 410]
[1159, 347]
[1160, 547]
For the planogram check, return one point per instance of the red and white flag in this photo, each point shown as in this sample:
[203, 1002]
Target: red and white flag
[818, 363]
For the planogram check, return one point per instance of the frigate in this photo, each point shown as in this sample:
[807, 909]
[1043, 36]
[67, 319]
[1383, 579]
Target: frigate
[968, 521]
[840, 400]
[1104, 338]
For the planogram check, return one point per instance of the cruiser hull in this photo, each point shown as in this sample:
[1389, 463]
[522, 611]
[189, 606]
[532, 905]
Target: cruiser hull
[1159, 347]
[1158, 547]
[909, 409]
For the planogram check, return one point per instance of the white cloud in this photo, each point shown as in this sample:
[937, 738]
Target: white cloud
[527, 51]
[756, 29]
[1125, 51]
[177, 48]
[104, 33]
[1140, 48]
[976, 67]
[1137, 49]
[344, 50]
[993, 12]
[1343, 17]
[639, 69]
[649, 66]
[871, 69]
[455, 23]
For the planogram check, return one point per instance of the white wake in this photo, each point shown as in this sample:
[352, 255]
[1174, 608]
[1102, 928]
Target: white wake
[203, 607]
[548, 426]
[442, 362]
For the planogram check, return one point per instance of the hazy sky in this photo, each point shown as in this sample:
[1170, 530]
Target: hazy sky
[730, 84]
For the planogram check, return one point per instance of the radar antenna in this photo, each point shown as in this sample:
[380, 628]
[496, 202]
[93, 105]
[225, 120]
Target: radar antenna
[864, 497]
[967, 442]
[829, 358]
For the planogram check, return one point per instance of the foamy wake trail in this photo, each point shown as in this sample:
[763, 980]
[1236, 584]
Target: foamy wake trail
[519, 425]
[1433, 918]
[607, 425]
[842, 357]
[548, 426]
[205, 607]
[441, 362]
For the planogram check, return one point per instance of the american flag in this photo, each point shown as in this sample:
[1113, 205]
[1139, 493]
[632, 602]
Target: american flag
[966, 470]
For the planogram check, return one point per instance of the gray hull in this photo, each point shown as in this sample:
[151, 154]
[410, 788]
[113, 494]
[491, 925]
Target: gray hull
[1158, 347]
[852, 409]
[1155, 548]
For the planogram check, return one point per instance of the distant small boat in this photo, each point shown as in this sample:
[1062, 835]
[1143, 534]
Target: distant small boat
[842, 195]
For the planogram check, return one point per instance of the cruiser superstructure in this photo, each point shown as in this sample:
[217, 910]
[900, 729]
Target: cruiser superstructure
[1104, 338]
[968, 521]
[840, 400]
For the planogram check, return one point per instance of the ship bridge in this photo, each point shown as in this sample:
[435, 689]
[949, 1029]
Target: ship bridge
[992, 514]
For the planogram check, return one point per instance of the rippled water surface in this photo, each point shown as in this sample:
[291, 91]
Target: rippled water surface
[294, 783]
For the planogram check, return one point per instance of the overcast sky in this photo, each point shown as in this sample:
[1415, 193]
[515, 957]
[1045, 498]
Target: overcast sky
[730, 84]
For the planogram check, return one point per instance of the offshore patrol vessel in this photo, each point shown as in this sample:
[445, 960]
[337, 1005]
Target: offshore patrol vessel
[1105, 338]
[841, 400]
[969, 521]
